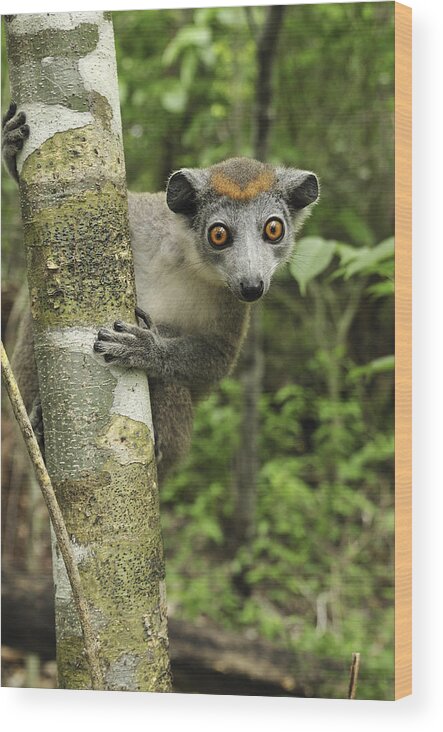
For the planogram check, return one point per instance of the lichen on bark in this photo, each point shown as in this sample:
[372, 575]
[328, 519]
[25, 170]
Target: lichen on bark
[98, 428]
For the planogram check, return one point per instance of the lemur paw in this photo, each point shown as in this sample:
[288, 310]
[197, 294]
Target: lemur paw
[14, 134]
[131, 346]
[36, 419]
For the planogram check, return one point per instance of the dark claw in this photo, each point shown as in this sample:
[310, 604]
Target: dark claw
[102, 335]
[119, 326]
[10, 113]
[20, 119]
[99, 347]
[144, 317]
[24, 129]
[14, 123]
[108, 357]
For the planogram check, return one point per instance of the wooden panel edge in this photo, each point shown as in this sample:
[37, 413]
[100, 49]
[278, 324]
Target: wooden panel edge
[403, 351]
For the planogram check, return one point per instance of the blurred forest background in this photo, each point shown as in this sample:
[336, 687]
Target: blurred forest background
[279, 527]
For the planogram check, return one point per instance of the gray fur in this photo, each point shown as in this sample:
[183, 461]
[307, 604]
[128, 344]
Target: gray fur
[193, 293]
[14, 133]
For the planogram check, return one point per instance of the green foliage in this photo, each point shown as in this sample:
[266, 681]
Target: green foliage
[368, 260]
[377, 366]
[314, 254]
[312, 257]
[319, 568]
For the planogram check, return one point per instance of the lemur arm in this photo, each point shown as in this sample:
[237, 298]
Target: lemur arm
[191, 360]
[14, 133]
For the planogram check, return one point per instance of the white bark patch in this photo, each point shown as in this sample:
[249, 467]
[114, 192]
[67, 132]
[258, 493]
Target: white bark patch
[80, 553]
[79, 339]
[131, 397]
[35, 22]
[131, 393]
[63, 590]
[98, 71]
[45, 120]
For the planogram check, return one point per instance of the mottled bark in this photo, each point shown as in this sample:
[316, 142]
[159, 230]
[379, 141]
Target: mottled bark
[97, 420]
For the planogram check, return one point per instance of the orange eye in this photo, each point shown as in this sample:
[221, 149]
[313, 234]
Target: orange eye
[218, 235]
[274, 230]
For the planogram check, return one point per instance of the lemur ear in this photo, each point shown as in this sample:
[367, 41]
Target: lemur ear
[181, 193]
[300, 187]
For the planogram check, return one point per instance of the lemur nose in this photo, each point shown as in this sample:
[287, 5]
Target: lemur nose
[251, 292]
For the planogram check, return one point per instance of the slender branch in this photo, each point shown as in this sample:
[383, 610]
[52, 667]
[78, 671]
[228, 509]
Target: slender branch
[353, 677]
[330, 296]
[57, 520]
[253, 29]
[347, 317]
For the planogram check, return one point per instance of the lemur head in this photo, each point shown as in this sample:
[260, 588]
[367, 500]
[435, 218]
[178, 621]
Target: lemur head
[245, 215]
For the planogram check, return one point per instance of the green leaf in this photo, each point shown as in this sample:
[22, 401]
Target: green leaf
[377, 366]
[381, 289]
[174, 99]
[312, 256]
[346, 252]
[356, 227]
[189, 35]
[366, 259]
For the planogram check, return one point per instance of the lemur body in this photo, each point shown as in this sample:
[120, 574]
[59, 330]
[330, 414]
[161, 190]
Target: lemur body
[202, 253]
[170, 282]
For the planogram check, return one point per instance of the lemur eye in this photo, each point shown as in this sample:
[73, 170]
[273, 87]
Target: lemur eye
[219, 235]
[274, 230]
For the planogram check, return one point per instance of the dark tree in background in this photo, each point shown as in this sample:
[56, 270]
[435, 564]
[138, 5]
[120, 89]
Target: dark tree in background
[250, 374]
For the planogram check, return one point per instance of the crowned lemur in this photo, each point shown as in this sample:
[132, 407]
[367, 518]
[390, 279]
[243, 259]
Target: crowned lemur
[202, 253]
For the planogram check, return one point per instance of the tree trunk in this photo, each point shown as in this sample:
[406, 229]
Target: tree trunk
[266, 54]
[97, 420]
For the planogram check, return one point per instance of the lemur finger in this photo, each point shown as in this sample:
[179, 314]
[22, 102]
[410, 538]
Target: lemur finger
[105, 334]
[9, 114]
[143, 317]
[36, 419]
[101, 347]
[17, 121]
[114, 352]
[36, 415]
[134, 330]
[16, 138]
[111, 347]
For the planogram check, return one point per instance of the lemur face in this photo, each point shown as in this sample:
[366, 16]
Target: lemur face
[245, 241]
[245, 215]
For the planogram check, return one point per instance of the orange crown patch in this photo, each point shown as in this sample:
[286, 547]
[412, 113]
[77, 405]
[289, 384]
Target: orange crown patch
[225, 186]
